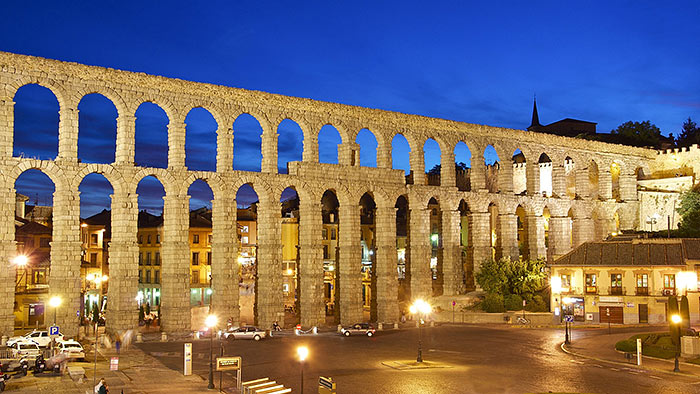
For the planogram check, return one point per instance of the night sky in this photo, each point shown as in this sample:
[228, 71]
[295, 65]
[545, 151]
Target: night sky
[479, 63]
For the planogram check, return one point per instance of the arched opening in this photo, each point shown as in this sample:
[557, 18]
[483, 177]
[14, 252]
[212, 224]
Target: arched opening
[247, 232]
[615, 170]
[523, 236]
[289, 201]
[494, 227]
[97, 129]
[368, 242]
[35, 123]
[290, 144]
[151, 136]
[436, 260]
[570, 174]
[545, 166]
[616, 223]
[200, 241]
[150, 239]
[368, 148]
[400, 156]
[492, 163]
[402, 250]
[328, 141]
[247, 143]
[432, 156]
[465, 243]
[546, 215]
[570, 216]
[95, 233]
[200, 140]
[593, 180]
[519, 173]
[463, 160]
[32, 261]
[329, 212]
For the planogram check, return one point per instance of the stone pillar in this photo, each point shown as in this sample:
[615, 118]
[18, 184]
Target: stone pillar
[558, 180]
[224, 149]
[225, 270]
[64, 278]
[452, 268]
[477, 174]
[480, 230]
[7, 123]
[175, 287]
[535, 237]
[269, 297]
[8, 250]
[122, 308]
[269, 149]
[415, 156]
[583, 230]
[532, 177]
[176, 144]
[126, 139]
[310, 292]
[559, 235]
[387, 288]
[605, 184]
[508, 237]
[383, 155]
[447, 168]
[421, 277]
[68, 133]
[346, 154]
[628, 187]
[350, 265]
[505, 177]
[310, 153]
[583, 188]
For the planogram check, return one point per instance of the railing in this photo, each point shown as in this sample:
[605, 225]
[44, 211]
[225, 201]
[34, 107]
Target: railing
[616, 290]
[642, 291]
[7, 354]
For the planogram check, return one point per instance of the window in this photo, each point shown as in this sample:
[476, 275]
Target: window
[157, 262]
[325, 233]
[642, 284]
[156, 276]
[616, 284]
[244, 229]
[244, 240]
[148, 258]
[209, 238]
[591, 283]
[40, 277]
[669, 284]
[195, 238]
[195, 276]
[325, 252]
[148, 276]
[565, 283]
[44, 242]
[140, 258]
[93, 258]
[93, 239]
[140, 239]
[208, 258]
[157, 238]
[140, 276]
[148, 239]
[332, 233]
[29, 242]
[195, 258]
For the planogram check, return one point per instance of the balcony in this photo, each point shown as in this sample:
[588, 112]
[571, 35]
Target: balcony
[616, 290]
[668, 292]
[642, 291]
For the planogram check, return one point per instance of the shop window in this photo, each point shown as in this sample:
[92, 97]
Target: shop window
[591, 283]
[642, 284]
[616, 284]
[669, 284]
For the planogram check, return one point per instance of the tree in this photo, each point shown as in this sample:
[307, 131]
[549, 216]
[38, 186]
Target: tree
[689, 209]
[689, 135]
[521, 277]
[638, 133]
[436, 168]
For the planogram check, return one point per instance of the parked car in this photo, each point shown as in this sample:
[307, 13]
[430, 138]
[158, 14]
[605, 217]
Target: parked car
[248, 332]
[42, 338]
[25, 349]
[72, 348]
[358, 329]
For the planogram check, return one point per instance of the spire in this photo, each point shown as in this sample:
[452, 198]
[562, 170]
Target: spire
[535, 118]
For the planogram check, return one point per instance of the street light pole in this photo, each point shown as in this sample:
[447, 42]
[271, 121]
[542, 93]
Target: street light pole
[211, 323]
[302, 352]
[676, 319]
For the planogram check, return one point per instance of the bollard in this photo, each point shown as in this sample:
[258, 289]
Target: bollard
[396, 326]
[139, 337]
[380, 326]
[163, 337]
[315, 330]
[432, 323]
[296, 331]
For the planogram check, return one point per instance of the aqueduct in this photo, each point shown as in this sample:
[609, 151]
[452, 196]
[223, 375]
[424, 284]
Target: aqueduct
[570, 179]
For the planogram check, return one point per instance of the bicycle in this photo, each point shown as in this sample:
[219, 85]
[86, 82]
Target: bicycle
[522, 320]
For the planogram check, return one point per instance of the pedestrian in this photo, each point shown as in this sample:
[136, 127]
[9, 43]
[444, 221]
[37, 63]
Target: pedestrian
[118, 343]
[101, 387]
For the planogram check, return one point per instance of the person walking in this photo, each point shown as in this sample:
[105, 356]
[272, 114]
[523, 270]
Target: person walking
[118, 344]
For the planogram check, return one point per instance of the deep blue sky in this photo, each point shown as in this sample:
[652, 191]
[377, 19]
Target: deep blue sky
[479, 63]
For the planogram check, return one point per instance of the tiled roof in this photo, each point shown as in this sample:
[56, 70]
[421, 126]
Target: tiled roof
[33, 228]
[632, 253]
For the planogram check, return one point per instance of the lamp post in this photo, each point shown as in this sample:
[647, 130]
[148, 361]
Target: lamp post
[55, 302]
[211, 323]
[676, 319]
[420, 308]
[21, 262]
[98, 280]
[302, 352]
[567, 301]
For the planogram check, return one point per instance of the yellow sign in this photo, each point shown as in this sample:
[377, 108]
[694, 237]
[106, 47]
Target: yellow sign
[228, 363]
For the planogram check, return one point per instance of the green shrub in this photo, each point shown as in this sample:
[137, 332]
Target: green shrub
[513, 302]
[537, 304]
[493, 303]
[626, 345]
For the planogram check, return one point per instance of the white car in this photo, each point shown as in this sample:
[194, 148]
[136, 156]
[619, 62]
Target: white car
[248, 332]
[25, 348]
[72, 348]
[41, 338]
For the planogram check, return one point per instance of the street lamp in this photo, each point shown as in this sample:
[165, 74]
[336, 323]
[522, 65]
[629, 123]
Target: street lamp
[21, 262]
[420, 308]
[677, 319]
[302, 352]
[567, 301]
[98, 280]
[211, 323]
[55, 302]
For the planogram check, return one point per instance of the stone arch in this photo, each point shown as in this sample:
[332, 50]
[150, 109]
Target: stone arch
[89, 127]
[369, 148]
[400, 153]
[432, 167]
[57, 89]
[593, 179]
[519, 172]
[463, 164]
[116, 99]
[171, 186]
[163, 103]
[492, 170]
[157, 136]
[248, 131]
[616, 168]
[331, 133]
[91, 193]
[28, 142]
[112, 175]
[213, 180]
[570, 176]
[50, 169]
[293, 150]
[198, 129]
[545, 174]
